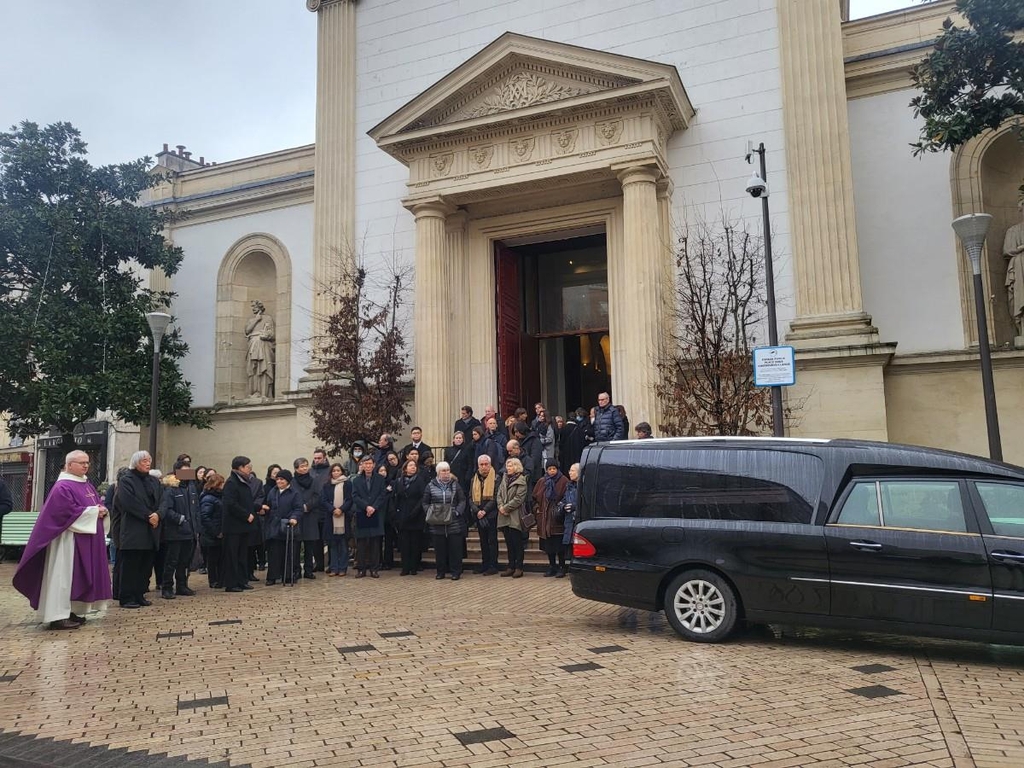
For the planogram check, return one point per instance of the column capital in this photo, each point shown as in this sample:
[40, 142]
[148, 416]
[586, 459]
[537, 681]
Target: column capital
[432, 207]
[637, 173]
[456, 221]
[316, 5]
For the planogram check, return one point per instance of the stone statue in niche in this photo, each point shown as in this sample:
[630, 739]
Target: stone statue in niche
[1013, 250]
[259, 357]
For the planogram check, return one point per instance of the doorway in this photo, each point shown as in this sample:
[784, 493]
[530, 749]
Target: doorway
[552, 319]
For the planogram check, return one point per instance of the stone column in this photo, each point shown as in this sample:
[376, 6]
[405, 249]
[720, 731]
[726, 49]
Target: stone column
[334, 164]
[460, 320]
[433, 298]
[824, 233]
[636, 296]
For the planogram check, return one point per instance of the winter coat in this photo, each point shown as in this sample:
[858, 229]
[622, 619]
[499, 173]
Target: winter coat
[465, 426]
[511, 498]
[327, 502]
[137, 497]
[488, 446]
[409, 514]
[179, 508]
[352, 463]
[211, 519]
[369, 492]
[571, 441]
[451, 493]
[423, 448]
[546, 435]
[570, 501]
[284, 505]
[313, 513]
[489, 506]
[532, 456]
[544, 508]
[462, 460]
[259, 498]
[608, 424]
[237, 501]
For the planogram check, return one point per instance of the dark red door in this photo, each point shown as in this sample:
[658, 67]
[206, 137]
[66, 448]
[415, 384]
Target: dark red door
[510, 322]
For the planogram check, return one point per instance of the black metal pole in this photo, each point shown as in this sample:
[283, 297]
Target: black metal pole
[153, 395]
[778, 427]
[995, 445]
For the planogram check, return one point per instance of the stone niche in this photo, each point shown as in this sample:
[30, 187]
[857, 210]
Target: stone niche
[256, 268]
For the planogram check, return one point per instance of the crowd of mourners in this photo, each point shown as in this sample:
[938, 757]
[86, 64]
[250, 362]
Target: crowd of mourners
[381, 508]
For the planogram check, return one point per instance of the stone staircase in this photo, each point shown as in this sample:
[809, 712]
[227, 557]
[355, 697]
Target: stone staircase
[535, 560]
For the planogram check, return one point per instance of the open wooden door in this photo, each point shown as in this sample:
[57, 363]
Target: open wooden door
[510, 329]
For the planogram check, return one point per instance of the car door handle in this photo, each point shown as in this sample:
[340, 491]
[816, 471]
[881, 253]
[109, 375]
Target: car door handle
[867, 546]
[1007, 556]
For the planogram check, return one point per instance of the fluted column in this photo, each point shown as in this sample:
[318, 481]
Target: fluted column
[459, 319]
[433, 329]
[824, 233]
[636, 296]
[334, 163]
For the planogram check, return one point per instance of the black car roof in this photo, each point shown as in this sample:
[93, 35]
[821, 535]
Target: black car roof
[862, 452]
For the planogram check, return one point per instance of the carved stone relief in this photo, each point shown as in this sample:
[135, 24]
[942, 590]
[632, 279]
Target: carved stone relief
[522, 149]
[523, 89]
[481, 156]
[442, 163]
[608, 132]
[564, 141]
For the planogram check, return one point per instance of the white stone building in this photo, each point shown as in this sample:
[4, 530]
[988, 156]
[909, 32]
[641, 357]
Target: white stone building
[494, 145]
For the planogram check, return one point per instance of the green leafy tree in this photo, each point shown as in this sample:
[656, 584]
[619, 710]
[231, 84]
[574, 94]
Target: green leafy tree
[974, 79]
[73, 245]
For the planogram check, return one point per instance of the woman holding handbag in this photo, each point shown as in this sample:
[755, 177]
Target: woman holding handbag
[548, 494]
[444, 502]
[512, 516]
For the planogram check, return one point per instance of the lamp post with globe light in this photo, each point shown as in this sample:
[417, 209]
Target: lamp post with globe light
[158, 322]
[972, 230]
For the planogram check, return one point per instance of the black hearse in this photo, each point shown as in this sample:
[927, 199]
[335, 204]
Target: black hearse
[841, 533]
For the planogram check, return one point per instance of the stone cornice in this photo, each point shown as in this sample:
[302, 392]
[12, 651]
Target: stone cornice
[316, 5]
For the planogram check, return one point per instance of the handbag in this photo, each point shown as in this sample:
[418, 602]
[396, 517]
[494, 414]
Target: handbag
[529, 520]
[439, 514]
[558, 516]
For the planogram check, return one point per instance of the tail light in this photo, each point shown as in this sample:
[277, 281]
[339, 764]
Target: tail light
[581, 547]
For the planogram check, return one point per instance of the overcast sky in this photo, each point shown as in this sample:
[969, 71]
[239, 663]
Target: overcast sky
[227, 78]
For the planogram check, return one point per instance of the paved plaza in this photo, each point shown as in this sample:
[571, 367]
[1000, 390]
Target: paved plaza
[484, 672]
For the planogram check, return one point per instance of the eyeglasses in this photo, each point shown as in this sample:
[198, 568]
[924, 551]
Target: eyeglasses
[83, 463]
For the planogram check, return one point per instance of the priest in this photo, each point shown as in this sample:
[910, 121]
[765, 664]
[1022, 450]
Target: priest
[63, 571]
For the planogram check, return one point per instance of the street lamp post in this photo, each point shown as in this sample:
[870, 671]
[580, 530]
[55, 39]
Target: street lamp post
[972, 230]
[158, 322]
[758, 187]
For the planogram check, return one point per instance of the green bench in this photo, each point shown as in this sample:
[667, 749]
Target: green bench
[15, 530]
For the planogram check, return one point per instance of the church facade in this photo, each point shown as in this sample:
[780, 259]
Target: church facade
[536, 163]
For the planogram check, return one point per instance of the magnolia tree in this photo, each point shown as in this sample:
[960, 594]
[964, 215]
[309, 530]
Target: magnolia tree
[366, 389]
[719, 313]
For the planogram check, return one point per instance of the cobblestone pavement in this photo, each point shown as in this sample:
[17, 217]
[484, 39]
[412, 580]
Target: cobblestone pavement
[483, 672]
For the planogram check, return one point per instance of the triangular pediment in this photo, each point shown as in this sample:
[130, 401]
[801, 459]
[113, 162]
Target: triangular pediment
[516, 74]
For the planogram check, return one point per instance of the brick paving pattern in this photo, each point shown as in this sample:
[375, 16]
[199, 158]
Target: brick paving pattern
[415, 672]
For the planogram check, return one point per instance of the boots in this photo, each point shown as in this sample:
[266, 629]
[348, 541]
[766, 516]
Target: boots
[518, 574]
[507, 572]
[167, 593]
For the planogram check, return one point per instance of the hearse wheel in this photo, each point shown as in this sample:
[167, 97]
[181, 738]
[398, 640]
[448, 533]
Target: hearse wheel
[701, 606]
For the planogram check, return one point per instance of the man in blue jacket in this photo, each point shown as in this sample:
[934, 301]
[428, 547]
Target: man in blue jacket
[607, 420]
[369, 495]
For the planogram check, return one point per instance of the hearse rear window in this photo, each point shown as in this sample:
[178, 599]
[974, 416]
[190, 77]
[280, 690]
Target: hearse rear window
[682, 483]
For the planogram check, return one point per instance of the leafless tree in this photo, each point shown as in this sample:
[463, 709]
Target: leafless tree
[719, 314]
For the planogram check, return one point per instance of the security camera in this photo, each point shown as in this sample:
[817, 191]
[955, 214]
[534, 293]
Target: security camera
[757, 187]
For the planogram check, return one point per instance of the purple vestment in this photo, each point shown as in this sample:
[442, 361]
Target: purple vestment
[90, 580]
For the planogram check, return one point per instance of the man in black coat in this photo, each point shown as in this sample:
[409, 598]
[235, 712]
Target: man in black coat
[572, 440]
[320, 471]
[532, 451]
[466, 422]
[137, 504]
[416, 435]
[237, 503]
[310, 527]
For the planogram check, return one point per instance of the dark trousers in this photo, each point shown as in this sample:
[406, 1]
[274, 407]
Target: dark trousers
[212, 556]
[368, 553]
[177, 556]
[554, 549]
[488, 547]
[235, 564]
[136, 565]
[388, 556]
[448, 553]
[312, 556]
[115, 579]
[321, 561]
[158, 568]
[410, 545]
[515, 543]
[276, 551]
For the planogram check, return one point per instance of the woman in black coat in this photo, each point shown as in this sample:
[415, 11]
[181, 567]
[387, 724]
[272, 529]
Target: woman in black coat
[211, 521]
[312, 519]
[461, 457]
[410, 517]
[284, 510]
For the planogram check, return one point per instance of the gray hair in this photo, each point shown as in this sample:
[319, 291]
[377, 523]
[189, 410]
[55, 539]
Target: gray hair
[483, 459]
[73, 454]
[442, 465]
[138, 456]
